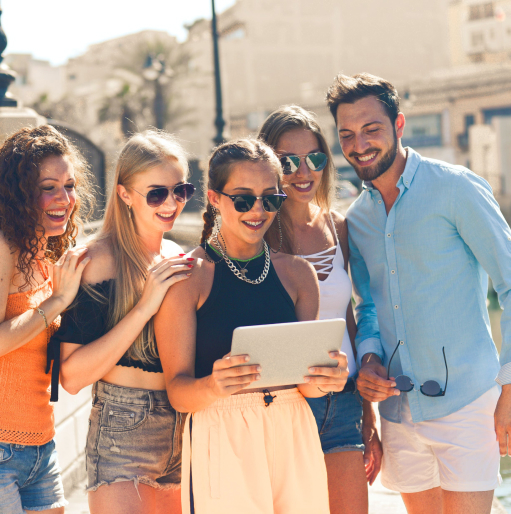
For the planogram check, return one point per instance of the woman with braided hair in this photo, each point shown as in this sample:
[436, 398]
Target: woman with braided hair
[251, 450]
[315, 232]
[42, 179]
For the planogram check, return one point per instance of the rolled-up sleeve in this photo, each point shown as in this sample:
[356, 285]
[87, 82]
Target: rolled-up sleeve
[483, 228]
[368, 331]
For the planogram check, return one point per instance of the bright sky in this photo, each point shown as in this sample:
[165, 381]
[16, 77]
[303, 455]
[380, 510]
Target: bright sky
[55, 30]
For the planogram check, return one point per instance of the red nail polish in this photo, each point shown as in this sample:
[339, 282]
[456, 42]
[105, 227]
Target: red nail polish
[190, 259]
[182, 254]
[190, 265]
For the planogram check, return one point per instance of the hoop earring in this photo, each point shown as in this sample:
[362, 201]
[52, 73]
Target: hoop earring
[280, 234]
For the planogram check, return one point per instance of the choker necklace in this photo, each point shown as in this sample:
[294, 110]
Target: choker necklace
[241, 273]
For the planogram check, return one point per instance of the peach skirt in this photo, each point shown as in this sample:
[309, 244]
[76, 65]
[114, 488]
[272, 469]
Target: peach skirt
[250, 458]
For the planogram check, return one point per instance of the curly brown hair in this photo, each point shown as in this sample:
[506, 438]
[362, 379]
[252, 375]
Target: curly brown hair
[20, 157]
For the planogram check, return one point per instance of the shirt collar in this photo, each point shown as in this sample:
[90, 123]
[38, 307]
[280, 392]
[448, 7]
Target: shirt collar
[412, 163]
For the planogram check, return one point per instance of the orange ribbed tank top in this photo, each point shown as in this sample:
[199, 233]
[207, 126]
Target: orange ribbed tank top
[26, 415]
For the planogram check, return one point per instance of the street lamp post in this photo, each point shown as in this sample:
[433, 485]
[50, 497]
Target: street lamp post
[7, 76]
[219, 120]
[156, 71]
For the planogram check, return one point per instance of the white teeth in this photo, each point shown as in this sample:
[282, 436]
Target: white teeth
[253, 223]
[165, 215]
[367, 157]
[303, 186]
[56, 213]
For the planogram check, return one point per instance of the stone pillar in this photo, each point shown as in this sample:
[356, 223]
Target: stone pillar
[15, 118]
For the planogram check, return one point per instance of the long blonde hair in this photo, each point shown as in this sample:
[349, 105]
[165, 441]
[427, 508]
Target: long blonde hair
[280, 121]
[142, 152]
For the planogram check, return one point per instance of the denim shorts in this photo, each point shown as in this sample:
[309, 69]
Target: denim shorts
[134, 435]
[29, 478]
[339, 419]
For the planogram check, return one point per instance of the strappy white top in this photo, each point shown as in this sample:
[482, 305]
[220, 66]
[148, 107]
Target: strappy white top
[335, 290]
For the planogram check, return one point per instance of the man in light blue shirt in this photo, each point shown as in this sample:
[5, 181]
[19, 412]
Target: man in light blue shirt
[423, 236]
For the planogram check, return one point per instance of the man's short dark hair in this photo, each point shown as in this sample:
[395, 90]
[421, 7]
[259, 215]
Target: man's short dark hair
[347, 90]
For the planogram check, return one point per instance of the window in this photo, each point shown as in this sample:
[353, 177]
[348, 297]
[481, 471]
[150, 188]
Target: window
[481, 11]
[424, 130]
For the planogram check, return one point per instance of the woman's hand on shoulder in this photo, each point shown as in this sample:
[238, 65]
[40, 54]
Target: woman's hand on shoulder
[160, 278]
[67, 274]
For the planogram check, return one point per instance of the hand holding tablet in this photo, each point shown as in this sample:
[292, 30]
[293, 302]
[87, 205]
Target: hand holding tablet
[286, 352]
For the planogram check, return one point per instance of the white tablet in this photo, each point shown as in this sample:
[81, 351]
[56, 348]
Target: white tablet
[286, 351]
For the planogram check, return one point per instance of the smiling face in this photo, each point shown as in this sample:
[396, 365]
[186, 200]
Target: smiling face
[368, 138]
[157, 220]
[57, 196]
[302, 185]
[246, 178]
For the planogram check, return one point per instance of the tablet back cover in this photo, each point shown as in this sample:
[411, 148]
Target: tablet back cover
[285, 351]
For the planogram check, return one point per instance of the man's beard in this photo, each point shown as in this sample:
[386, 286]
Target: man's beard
[373, 172]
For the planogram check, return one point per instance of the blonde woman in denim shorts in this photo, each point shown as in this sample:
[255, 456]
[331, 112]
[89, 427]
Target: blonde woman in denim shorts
[313, 231]
[133, 451]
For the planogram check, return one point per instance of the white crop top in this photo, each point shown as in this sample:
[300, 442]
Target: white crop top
[335, 290]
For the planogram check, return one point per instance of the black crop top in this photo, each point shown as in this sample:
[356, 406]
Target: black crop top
[234, 303]
[86, 320]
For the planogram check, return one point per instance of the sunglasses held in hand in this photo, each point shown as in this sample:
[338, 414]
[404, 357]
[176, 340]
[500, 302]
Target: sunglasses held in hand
[243, 203]
[315, 161]
[156, 197]
[429, 388]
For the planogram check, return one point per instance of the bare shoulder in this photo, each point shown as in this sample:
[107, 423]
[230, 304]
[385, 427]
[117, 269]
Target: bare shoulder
[293, 266]
[189, 292]
[102, 264]
[341, 225]
[170, 248]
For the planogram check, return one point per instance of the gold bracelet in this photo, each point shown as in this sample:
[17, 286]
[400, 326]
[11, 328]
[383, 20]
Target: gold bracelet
[41, 312]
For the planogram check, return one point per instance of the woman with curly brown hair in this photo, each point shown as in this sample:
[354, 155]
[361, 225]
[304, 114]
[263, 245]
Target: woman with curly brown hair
[40, 172]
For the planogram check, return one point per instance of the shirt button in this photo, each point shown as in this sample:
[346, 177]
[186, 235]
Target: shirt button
[388, 235]
[509, 238]
[379, 201]
[396, 307]
[393, 272]
[401, 342]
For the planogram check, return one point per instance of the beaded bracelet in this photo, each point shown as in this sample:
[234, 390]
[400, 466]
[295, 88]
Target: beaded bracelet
[41, 312]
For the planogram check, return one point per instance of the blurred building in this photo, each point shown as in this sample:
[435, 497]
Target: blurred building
[480, 31]
[275, 52]
[36, 78]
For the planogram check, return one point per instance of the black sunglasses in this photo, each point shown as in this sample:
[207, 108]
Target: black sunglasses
[315, 161]
[429, 388]
[182, 193]
[243, 203]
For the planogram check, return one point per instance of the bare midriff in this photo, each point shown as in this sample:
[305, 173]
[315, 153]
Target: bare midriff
[135, 378]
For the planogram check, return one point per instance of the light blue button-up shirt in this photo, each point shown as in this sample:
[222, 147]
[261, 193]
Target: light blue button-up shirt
[420, 278]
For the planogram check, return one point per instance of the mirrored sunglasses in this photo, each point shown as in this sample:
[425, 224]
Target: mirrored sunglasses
[315, 161]
[243, 203]
[429, 388]
[156, 197]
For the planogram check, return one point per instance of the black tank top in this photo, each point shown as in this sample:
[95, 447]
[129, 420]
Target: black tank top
[235, 303]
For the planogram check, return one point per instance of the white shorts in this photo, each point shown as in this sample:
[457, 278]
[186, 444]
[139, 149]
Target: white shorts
[458, 452]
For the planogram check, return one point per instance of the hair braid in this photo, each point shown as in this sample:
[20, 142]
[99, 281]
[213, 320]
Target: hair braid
[209, 223]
